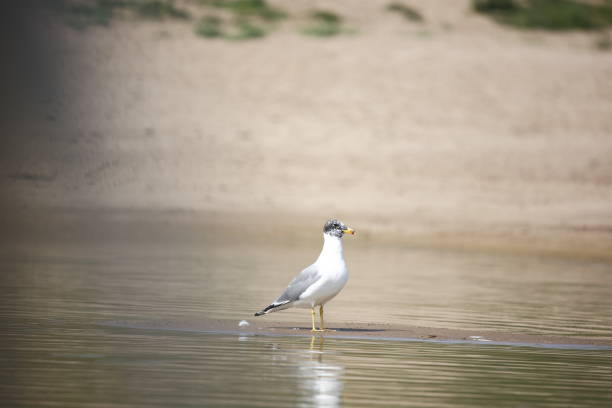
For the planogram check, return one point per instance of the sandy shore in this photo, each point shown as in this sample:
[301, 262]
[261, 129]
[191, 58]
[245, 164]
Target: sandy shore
[455, 132]
[362, 331]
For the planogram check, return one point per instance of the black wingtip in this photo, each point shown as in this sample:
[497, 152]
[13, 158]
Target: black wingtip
[265, 310]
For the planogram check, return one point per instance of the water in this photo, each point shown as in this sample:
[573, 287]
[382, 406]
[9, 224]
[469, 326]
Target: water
[59, 351]
[89, 366]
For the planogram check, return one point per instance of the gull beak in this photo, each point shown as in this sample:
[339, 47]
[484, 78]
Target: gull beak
[349, 231]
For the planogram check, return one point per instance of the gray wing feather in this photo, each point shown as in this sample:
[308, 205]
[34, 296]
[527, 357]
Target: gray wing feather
[299, 284]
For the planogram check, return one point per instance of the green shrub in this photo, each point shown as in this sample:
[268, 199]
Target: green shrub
[209, 27]
[157, 10]
[323, 24]
[327, 17]
[547, 14]
[491, 6]
[248, 8]
[406, 11]
[246, 30]
[81, 15]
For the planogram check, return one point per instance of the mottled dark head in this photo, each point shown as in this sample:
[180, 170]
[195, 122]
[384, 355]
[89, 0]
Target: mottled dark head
[336, 228]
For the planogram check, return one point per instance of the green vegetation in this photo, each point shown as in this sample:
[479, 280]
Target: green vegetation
[494, 6]
[240, 29]
[157, 10]
[249, 19]
[228, 19]
[100, 12]
[408, 12]
[248, 8]
[209, 27]
[326, 17]
[547, 14]
[246, 29]
[324, 24]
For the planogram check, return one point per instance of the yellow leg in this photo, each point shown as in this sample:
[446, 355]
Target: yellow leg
[321, 314]
[312, 313]
[322, 321]
[314, 328]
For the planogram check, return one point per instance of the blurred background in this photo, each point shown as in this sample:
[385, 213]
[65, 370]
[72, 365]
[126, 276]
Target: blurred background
[168, 165]
[464, 123]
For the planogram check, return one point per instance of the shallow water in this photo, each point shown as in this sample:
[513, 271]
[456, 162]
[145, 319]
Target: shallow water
[57, 350]
[92, 366]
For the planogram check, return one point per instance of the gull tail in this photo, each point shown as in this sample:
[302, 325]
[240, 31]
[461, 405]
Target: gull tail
[272, 308]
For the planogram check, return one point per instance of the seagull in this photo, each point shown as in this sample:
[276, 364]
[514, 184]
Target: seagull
[321, 281]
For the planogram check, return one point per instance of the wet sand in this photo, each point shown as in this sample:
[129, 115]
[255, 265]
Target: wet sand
[366, 331]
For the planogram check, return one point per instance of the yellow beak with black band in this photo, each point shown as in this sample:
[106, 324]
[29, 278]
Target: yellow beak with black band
[349, 231]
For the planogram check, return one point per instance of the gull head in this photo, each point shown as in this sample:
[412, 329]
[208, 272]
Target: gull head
[337, 228]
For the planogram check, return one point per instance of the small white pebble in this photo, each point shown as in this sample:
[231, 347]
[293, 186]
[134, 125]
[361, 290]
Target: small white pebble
[479, 338]
[243, 323]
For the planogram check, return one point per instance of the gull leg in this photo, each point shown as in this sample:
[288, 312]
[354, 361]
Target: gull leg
[322, 321]
[312, 314]
[321, 314]
[314, 328]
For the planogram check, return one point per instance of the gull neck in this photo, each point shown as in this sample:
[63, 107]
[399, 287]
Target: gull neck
[331, 246]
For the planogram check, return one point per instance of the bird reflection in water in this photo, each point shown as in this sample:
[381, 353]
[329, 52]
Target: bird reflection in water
[321, 383]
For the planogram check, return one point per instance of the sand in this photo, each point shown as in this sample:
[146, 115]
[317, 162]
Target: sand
[455, 132]
[365, 331]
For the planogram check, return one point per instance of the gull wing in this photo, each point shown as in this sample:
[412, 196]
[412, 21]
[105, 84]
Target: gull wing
[299, 284]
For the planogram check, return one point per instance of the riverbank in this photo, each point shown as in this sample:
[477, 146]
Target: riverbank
[455, 132]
